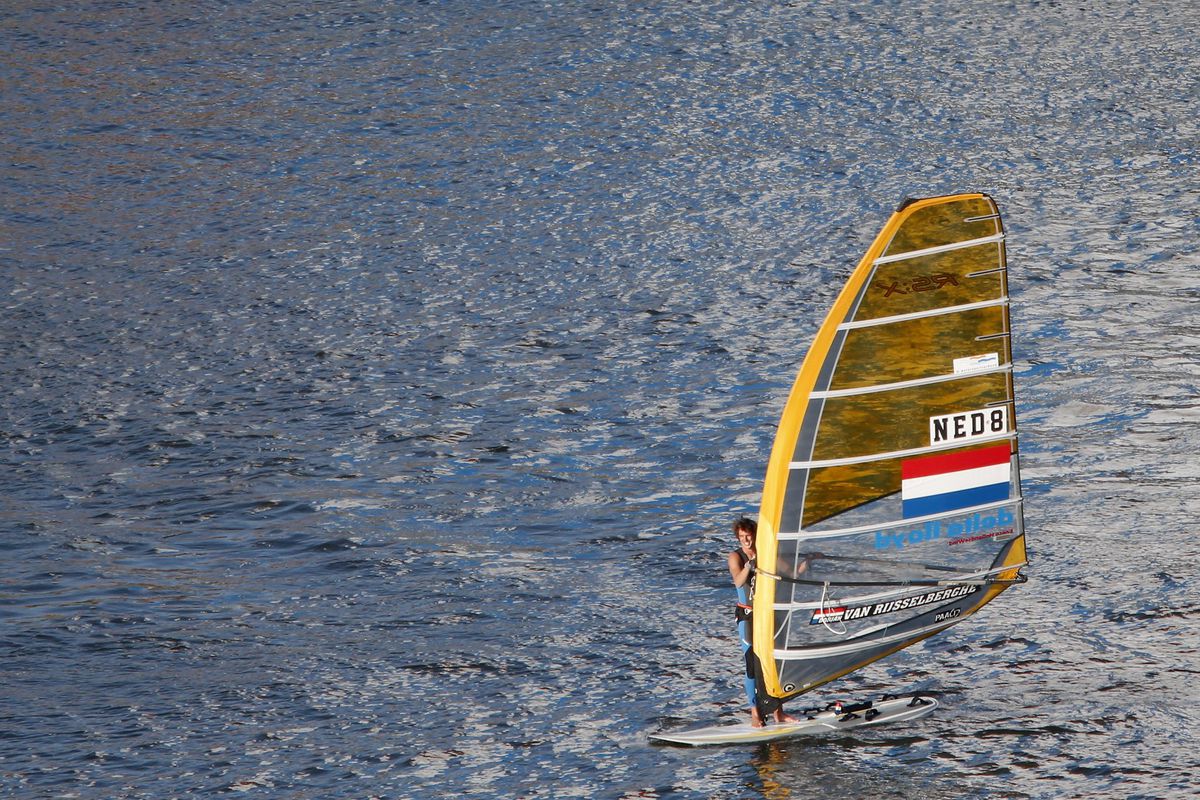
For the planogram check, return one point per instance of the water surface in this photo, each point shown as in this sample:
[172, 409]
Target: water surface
[380, 381]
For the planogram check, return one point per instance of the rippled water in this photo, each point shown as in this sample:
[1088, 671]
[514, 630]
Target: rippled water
[379, 382]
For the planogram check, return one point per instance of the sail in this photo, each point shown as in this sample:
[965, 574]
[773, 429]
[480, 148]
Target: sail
[891, 508]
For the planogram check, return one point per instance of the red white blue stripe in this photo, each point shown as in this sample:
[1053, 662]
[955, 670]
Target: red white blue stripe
[949, 481]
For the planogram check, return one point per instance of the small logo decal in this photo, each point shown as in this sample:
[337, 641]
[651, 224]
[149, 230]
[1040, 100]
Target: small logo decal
[919, 283]
[976, 363]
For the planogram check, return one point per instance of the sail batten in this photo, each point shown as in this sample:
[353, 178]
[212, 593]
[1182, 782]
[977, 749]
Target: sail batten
[933, 312]
[895, 523]
[978, 579]
[894, 454]
[891, 387]
[945, 248]
[897, 455]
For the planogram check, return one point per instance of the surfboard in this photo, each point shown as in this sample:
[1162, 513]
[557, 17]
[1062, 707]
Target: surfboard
[878, 712]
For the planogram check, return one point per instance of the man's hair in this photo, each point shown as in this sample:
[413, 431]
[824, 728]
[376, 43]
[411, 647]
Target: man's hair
[745, 524]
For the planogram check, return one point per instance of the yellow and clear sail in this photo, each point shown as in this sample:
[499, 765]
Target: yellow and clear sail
[892, 503]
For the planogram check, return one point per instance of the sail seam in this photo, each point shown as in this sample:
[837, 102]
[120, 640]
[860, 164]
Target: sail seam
[888, 387]
[915, 581]
[915, 451]
[933, 312]
[941, 248]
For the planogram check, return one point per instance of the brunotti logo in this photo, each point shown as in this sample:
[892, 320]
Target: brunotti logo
[920, 283]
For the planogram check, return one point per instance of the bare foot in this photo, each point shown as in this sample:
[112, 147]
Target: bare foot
[755, 719]
[782, 717]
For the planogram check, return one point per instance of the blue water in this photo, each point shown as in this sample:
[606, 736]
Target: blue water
[379, 381]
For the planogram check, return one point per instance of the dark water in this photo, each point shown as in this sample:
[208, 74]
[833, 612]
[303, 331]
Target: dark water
[379, 382]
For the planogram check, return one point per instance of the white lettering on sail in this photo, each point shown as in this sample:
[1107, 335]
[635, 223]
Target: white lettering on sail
[844, 614]
[967, 425]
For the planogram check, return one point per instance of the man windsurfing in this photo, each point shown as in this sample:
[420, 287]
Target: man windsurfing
[742, 569]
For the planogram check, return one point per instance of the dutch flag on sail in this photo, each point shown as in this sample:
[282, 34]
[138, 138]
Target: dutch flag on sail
[948, 481]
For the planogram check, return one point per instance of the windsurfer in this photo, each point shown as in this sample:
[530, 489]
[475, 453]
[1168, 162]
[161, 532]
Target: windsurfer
[742, 568]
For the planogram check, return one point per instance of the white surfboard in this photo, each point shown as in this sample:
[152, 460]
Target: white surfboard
[897, 709]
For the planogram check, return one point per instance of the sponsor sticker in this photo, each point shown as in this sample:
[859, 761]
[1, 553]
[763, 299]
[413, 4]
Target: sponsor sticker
[976, 363]
[851, 613]
[975, 528]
